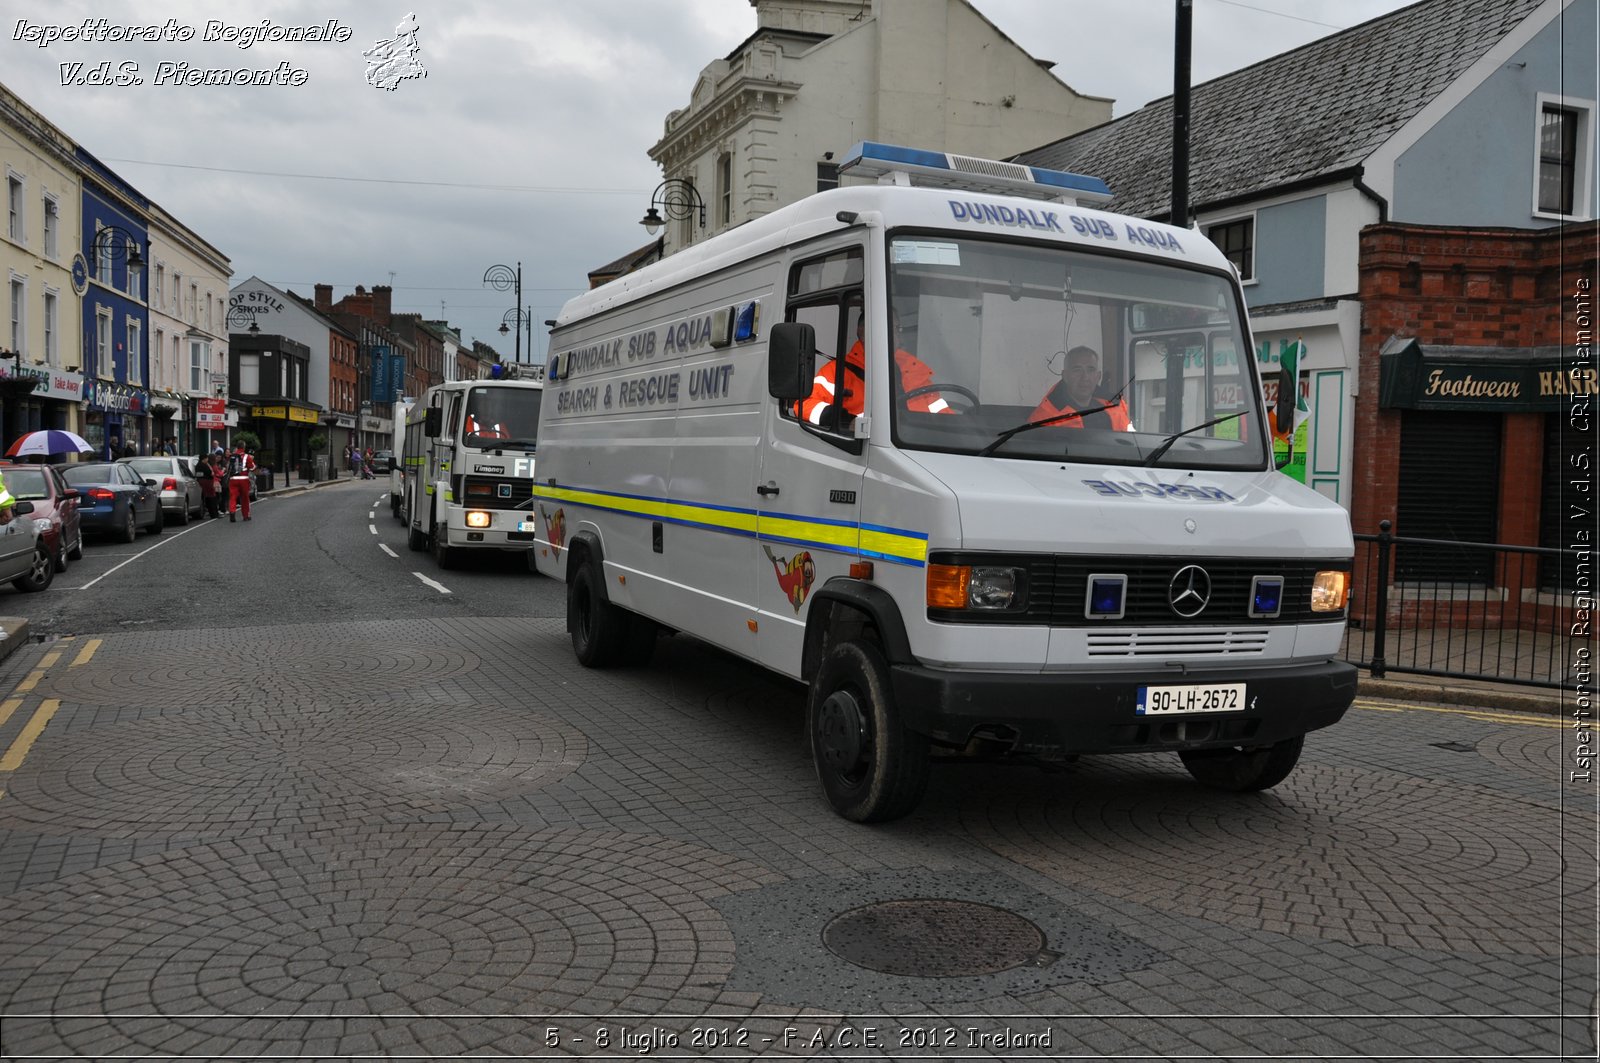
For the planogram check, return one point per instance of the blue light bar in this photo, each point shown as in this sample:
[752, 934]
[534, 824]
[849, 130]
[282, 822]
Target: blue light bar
[893, 163]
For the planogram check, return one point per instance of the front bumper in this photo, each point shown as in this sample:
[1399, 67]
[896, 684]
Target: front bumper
[1059, 714]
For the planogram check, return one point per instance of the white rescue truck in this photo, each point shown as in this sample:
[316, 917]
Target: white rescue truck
[467, 467]
[976, 562]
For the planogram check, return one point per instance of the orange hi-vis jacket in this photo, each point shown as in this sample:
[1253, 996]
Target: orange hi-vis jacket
[914, 373]
[1055, 404]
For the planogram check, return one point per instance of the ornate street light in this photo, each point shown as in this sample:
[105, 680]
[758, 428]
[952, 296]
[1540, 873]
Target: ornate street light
[501, 278]
[516, 319]
[678, 198]
[238, 315]
[113, 242]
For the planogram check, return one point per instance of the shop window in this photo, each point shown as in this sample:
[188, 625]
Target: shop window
[1566, 518]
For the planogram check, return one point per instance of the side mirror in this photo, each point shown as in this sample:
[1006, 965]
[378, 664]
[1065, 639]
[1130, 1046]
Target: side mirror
[791, 360]
[22, 508]
[431, 422]
[71, 492]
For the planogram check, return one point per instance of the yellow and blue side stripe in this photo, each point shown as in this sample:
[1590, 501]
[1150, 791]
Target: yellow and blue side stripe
[876, 541]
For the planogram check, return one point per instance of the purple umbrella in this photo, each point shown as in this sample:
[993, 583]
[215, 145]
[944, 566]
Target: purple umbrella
[51, 441]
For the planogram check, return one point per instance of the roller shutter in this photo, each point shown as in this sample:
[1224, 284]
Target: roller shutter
[1449, 489]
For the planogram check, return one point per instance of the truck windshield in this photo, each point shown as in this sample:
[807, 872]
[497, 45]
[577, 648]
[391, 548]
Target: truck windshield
[502, 417]
[1051, 354]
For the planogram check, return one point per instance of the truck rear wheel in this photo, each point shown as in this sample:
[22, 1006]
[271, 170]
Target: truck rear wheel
[599, 629]
[871, 767]
[1244, 770]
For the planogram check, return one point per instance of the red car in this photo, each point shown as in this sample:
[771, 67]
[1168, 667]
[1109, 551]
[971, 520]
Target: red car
[55, 509]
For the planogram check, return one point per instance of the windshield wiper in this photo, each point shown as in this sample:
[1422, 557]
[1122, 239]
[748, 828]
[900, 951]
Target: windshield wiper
[1000, 439]
[1166, 444]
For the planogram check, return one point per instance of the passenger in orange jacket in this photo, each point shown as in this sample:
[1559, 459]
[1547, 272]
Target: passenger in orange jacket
[1080, 376]
[914, 373]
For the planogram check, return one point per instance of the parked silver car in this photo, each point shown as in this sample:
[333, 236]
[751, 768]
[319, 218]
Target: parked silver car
[24, 558]
[180, 491]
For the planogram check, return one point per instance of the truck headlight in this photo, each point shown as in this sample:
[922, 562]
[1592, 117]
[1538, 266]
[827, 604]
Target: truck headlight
[989, 588]
[1330, 591]
[477, 518]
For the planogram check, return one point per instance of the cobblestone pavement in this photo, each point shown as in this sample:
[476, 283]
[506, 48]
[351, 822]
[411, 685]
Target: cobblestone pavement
[439, 838]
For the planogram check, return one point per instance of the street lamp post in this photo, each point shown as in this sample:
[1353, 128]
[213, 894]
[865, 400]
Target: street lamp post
[516, 319]
[113, 242]
[678, 199]
[239, 317]
[500, 278]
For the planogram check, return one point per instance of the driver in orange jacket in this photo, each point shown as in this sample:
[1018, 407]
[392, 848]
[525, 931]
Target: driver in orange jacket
[914, 373]
[1080, 376]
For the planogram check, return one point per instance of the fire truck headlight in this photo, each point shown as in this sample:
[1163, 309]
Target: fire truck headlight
[477, 518]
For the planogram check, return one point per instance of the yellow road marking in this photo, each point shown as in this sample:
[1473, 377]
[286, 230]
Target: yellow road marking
[50, 659]
[19, 749]
[1484, 715]
[30, 682]
[7, 707]
[85, 653]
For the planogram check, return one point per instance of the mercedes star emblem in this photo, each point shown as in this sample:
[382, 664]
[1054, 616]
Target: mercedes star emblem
[1190, 591]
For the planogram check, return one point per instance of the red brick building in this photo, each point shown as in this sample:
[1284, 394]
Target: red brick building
[1478, 387]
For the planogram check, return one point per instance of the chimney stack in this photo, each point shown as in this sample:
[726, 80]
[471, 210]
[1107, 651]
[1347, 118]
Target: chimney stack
[323, 299]
[380, 302]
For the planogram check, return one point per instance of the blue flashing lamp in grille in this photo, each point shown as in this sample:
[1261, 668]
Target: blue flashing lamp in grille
[744, 325]
[1107, 598]
[1266, 596]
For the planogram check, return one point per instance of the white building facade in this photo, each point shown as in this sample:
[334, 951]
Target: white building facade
[764, 125]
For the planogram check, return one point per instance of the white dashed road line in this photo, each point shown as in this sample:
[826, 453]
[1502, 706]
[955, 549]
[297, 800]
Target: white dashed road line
[440, 587]
[391, 553]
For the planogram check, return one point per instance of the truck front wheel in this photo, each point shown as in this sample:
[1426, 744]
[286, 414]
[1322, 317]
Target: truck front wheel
[599, 629]
[1244, 770]
[871, 768]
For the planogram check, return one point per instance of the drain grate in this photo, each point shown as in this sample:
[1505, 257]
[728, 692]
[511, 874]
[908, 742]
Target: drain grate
[936, 939]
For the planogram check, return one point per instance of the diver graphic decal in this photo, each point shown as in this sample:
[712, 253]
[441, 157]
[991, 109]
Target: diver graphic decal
[795, 575]
[556, 525]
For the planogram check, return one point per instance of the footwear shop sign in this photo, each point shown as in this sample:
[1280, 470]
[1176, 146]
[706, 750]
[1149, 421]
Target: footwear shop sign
[1415, 376]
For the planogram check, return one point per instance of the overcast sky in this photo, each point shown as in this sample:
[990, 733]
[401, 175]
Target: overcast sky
[526, 140]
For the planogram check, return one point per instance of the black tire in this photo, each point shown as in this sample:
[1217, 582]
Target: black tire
[160, 521]
[1244, 770]
[871, 768]
[416, 540]
[40, 574]
[61, 555]
[443, 556]
[599, 629]
[76, 553]
[183, 516]
[131, 532]
[394, 505]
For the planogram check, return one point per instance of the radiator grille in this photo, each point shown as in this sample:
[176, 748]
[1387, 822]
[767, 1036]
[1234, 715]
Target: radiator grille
[1059, 583]
[1103, 645]
[501, 494]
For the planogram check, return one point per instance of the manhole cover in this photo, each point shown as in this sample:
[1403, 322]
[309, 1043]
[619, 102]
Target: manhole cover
[934, 938]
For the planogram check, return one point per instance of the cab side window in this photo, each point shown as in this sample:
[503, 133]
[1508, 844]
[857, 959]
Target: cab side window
[825, 292]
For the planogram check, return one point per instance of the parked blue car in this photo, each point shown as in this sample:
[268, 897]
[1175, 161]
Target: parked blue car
[114, 500]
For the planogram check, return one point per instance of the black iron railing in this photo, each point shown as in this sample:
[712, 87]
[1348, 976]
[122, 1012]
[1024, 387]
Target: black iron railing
[1466, 610]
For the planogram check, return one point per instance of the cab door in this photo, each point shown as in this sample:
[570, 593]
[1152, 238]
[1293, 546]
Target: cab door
[809, 483]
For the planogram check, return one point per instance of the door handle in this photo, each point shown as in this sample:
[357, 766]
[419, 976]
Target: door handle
[766, 489]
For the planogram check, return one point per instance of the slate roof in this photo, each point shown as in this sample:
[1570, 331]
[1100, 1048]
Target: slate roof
[1308, 113]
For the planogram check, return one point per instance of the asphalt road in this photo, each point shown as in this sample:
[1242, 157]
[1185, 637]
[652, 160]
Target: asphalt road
[268, 792]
